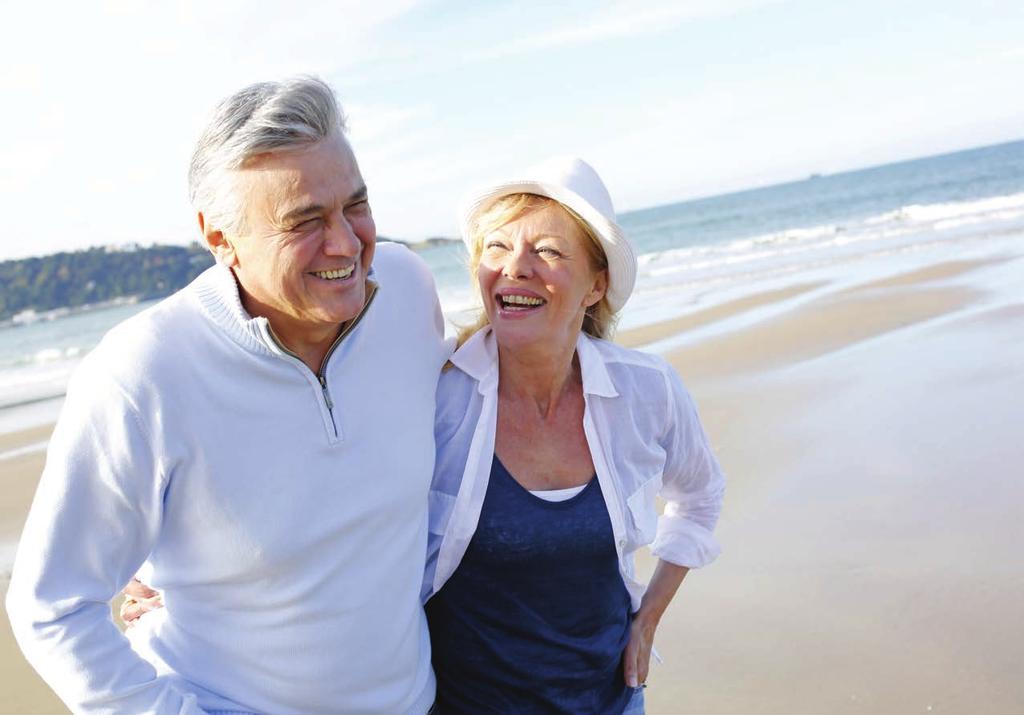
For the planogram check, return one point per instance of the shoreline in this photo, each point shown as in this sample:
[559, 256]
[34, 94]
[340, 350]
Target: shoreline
[865, 426]
[31, 316]
[24, 437]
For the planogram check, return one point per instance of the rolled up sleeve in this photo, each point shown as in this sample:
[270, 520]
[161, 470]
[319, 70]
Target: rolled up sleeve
[692, 485]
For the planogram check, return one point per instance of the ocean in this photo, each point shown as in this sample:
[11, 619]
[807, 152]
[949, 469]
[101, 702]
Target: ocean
[692, 253]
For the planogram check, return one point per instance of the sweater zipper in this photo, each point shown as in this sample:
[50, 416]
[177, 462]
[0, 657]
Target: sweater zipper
[321, 374]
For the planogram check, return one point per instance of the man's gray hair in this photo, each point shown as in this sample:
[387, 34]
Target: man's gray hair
[261, 118]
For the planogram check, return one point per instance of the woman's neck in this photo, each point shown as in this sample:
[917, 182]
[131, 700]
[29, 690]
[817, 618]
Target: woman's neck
[540, 376]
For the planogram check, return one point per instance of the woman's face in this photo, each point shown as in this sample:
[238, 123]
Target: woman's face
[537, 279]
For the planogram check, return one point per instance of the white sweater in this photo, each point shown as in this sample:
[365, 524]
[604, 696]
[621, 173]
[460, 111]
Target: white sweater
[288, 537]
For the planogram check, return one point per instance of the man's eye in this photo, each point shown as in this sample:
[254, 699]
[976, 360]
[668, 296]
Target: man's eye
[308, 225]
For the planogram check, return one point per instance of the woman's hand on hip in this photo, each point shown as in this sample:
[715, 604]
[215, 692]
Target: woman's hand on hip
[637, 657]
[660, 591]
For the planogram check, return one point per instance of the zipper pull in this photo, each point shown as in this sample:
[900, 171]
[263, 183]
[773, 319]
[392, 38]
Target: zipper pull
[327, 394]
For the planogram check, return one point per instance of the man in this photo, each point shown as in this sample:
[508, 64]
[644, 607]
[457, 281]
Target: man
[261, 442]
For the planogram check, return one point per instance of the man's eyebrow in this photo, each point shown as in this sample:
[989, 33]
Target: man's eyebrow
[309, 210]
[302, 212]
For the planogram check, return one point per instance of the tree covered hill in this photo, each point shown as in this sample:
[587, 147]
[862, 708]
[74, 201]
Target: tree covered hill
[97, 275]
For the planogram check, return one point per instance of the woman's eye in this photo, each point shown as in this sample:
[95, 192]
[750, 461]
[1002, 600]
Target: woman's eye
[549, 251]
[494, 245]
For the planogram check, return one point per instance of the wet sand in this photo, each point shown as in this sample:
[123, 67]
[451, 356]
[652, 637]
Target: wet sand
[872, 523]
[872, 526]
[24, 692]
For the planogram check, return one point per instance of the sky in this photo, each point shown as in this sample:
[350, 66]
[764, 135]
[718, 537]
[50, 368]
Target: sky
[103, 101]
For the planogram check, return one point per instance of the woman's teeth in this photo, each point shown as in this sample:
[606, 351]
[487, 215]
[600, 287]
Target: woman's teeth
[519, 302]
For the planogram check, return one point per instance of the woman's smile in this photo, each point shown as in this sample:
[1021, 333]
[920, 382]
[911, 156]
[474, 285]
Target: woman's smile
[517, 303]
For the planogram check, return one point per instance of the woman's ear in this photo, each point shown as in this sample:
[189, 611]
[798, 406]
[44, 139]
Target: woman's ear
[599, 288]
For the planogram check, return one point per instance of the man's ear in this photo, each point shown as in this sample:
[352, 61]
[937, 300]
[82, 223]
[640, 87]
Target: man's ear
[218, 243]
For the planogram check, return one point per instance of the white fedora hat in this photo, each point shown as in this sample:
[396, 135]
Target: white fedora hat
[571, 182]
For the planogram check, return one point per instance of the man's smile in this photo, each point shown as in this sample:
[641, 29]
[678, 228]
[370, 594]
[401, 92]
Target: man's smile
[334, 274]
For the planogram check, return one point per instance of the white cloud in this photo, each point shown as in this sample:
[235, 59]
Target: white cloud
[619, 20]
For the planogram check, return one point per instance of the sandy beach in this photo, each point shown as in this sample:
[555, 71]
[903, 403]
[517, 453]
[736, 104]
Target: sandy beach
[871, 527]
[24, 692]
[869, 429]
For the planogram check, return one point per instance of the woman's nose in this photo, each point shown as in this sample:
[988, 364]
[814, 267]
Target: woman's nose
[519, 263]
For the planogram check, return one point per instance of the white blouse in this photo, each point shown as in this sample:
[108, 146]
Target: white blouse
[645, 440]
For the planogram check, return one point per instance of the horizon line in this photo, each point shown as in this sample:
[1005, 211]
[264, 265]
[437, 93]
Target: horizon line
[134, 245]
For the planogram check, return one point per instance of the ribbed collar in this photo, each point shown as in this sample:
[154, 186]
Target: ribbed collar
[478, 358]
[217, 291]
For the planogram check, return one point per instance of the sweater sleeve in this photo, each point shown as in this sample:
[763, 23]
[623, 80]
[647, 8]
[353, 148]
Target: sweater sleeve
[94, 519]
[692, 485]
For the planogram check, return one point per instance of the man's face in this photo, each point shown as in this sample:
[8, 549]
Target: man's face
[306, 241]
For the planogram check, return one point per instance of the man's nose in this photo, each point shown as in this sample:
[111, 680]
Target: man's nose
[340, 239]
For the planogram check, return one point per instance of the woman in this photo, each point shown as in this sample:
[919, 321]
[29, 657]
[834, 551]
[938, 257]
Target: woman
[551, 447]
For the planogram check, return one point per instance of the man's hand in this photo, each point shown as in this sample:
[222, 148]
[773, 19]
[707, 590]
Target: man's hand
[138, 599]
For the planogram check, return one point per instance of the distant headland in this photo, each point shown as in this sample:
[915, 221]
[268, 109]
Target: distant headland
[425, 243]
[38, 287]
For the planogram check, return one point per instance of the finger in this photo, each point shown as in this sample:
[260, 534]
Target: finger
[643, 660]
[129, 612]
[132, 609]
[139, 590]
[629, 664]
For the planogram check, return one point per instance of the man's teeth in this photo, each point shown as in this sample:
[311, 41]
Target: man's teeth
[523, 300]
[335, 274]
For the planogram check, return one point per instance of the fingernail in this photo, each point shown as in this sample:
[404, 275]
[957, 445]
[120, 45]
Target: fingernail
[632, 681]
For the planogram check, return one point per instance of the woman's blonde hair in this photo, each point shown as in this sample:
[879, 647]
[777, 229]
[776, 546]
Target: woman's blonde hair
[599, 320]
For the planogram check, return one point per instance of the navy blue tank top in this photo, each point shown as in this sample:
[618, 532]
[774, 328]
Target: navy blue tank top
[536, 617]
